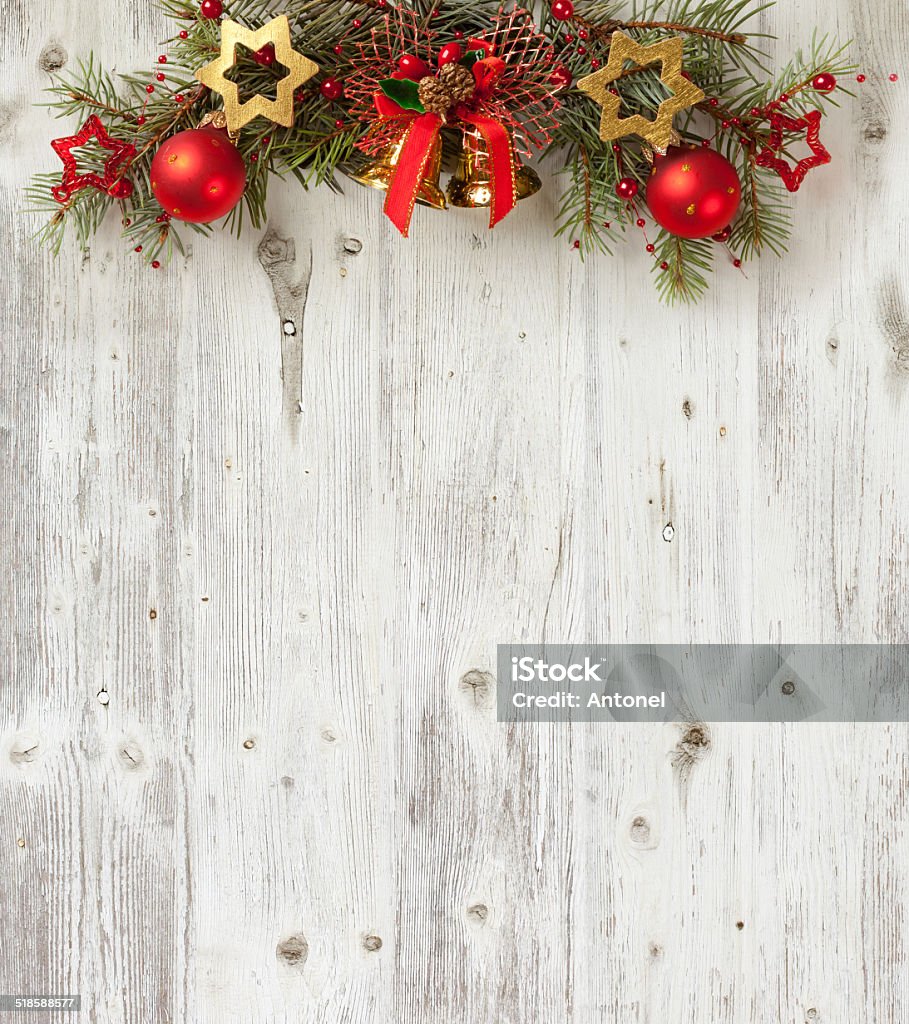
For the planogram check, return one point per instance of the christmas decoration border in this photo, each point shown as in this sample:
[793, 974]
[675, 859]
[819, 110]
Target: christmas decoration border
[737, 109]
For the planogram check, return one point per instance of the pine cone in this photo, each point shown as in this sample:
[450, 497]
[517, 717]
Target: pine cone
[434, 96]
[459, 81]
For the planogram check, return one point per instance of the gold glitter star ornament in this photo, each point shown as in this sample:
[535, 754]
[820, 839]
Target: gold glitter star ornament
[684, 92]
[300, 69]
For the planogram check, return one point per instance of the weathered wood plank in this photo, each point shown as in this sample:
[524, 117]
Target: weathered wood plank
[247, 739]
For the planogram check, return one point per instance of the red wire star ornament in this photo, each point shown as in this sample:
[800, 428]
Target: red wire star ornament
[810, 124]
[111, 182]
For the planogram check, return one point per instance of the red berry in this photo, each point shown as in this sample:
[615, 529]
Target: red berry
[705, 143]
[616, 148]
[265, 56]
[722, 236]
[160, 76]
[560, 77]
[162, 59]
[651, 248]
[179, 97]
[331, 89]
[140, 120]
[357, 23]
[714, 102]
[569, 38]
[582, 50]
[627, 188]
[562, 10]
[156, 265]
[736, 263]
[824, 83]
[450, 53]
[860, 79]
[664, 265]
[594, 63]
[211, 9]
[576, 245]
[339, 123]
[784, 98]
[339, 49]
[254, 158]
[459, 35]
[641, 222]
[138, 248]
[184, 34]
[266, 139]
[149, 89]
[583, 34]
[894, 77]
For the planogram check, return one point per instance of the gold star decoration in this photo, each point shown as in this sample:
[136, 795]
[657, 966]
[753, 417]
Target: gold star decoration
[299, 70]
[684, 92]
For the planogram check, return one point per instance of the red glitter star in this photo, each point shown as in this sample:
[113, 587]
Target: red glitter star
[112, 182]
[810, 124]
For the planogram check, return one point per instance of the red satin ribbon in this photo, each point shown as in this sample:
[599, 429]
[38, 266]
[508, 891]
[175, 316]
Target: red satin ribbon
[501, 161]
[419, 141]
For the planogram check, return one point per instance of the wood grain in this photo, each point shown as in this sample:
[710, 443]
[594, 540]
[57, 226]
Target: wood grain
[267, 514]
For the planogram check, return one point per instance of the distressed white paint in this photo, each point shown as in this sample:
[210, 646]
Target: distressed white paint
[486, 443]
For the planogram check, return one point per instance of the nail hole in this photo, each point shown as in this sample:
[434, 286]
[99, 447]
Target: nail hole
[20, 843]
[740, 925]
[248, 744]
[353, 246]
[372, 943]
[788, 688]
[290, 328]
[104, 698]
[668, 533]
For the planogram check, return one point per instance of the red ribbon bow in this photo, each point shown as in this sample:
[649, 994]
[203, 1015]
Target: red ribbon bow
[422, 134]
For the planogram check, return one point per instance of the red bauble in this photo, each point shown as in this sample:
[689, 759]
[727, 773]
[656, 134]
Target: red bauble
[824, 82]
[198, 175]
[693, 193]
[211, 9]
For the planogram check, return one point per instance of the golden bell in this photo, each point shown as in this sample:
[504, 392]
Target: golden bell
[471, 185]
[378, 174]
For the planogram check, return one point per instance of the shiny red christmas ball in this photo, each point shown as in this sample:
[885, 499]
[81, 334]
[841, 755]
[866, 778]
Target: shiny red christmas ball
[198, 175]
[693, 193]
[562, 10]
[331, 89]
[211, 9]
[824, 82]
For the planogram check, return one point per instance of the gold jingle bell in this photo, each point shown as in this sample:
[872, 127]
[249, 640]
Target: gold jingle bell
[379, 173]
[471, 185]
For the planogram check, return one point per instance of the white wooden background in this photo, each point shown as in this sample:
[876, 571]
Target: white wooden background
[286, 564]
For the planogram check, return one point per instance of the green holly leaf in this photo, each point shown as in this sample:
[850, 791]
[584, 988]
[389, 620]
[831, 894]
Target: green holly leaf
[404, 92]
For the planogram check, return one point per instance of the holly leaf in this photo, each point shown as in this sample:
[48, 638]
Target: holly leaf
[403, 92]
